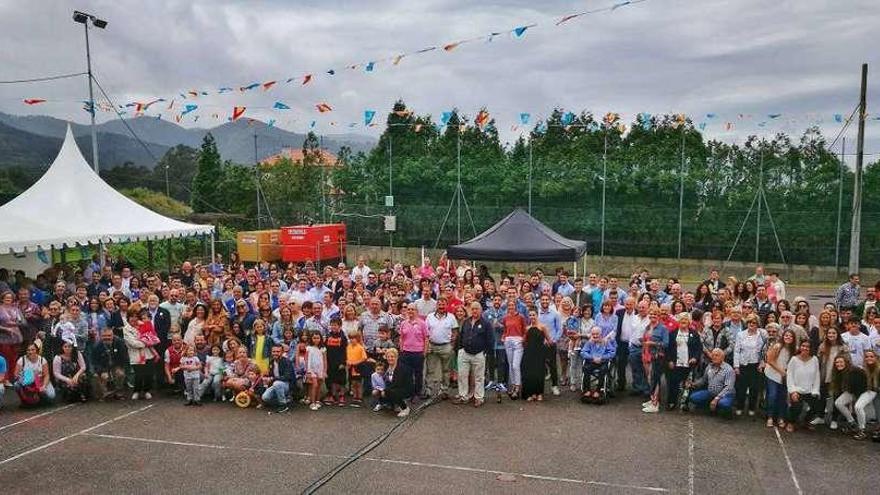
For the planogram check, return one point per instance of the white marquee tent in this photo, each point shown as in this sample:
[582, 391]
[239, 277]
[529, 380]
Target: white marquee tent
[71, 205]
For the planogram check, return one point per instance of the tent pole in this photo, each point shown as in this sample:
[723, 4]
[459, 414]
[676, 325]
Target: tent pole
[150, 255]
[213, 249]
[168, 252]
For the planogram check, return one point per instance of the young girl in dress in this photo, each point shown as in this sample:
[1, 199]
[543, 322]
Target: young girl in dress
[316, 369]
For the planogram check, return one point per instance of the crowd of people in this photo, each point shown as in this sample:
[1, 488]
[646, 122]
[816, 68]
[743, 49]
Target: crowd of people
[270, 336]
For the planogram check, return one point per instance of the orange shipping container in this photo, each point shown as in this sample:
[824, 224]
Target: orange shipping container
[259, 245]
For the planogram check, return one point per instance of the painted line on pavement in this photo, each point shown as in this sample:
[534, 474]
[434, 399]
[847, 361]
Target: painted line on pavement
[37, 416]
[68, 437]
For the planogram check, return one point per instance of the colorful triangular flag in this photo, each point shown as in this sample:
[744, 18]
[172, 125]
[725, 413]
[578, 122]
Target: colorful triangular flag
[237, 112]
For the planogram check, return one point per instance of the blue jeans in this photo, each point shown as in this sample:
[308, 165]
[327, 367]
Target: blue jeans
[777, 400]
[639, 381]
[701, 398]
[277, 393]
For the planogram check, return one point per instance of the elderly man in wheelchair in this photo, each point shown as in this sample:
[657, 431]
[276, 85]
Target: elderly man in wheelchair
[597, 354]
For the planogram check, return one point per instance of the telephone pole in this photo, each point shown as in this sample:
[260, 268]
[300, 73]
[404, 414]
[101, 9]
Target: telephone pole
[855, 235]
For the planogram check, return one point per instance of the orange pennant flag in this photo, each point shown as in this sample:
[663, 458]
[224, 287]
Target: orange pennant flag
[34, 101]
[451, 46]
[323, 107]
[482, 119]
[306, 79]
[268, 84]
[237, 112]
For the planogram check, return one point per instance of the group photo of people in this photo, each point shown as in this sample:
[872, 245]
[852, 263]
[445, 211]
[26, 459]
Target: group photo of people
[390, 338]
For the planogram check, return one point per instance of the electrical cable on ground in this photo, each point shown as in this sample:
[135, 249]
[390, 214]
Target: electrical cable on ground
[366, 449]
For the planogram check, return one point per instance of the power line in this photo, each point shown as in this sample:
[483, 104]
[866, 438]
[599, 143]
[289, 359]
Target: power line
[147, 148]
[45, 78]
[845, 126]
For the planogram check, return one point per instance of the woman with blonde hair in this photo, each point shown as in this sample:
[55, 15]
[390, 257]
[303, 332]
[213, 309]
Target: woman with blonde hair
[216, 323]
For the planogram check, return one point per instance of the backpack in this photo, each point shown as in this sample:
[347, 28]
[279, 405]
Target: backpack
[29, 392]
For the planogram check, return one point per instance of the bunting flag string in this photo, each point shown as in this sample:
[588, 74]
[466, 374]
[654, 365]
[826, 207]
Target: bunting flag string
[517, 32]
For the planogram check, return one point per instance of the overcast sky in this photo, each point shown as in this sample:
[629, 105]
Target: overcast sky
[798, 58]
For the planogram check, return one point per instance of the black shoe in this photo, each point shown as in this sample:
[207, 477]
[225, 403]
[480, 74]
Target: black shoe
[188, 403]
[197, 403]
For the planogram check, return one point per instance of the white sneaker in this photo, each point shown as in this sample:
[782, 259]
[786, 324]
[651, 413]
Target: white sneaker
[739, 412]
[148, 396]
[377, 408]
[817, 421]
[751, 413]
[555, 390]
[135, 396]
[573, 388]
[651, 409]
[834, 425]
[403, 413]
[314, 406]
[646, 404]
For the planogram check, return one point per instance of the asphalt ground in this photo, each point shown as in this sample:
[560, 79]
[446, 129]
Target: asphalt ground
[558, 446]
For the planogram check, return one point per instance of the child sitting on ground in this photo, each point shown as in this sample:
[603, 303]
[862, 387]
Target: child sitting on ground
[377, 380]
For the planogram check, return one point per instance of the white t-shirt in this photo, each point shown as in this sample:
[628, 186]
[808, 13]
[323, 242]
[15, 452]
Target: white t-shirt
[681, 348]
[857, 344]
[440, 329]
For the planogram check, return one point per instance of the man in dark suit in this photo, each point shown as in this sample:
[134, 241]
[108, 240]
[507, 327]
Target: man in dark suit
[161, 319]
[627, 313]
[714, 282]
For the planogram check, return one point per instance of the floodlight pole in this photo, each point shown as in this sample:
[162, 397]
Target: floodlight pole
[458, 184]
[92, 111]
[758, 213]
[855, 234]
[257, 179]
[840, 167]
[530, 175]
[681, 193]
[604, 185]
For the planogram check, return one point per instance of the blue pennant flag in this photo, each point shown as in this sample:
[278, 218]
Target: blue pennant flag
[444, 117]
[567, 118]
[188, 108]
[271, 123]
[542, 128]
[774, 115]
[711, 115]
[838, 117]
[280, 106]
[370, 66]
[520, 31]
[41, 254]
[368, 116]
[331, 72]
[524, 118]
[702, 126]
[312, 125]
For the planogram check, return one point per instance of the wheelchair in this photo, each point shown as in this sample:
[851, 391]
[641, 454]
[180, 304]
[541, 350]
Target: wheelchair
[597, 378]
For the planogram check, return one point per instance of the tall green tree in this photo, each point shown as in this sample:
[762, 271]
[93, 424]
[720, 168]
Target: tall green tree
[205, 193]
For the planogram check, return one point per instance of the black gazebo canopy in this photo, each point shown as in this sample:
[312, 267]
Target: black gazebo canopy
[519, 237]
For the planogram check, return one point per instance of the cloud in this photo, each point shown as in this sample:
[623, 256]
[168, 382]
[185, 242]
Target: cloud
[720, 56]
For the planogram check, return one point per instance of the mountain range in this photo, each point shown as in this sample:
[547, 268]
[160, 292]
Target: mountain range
[33, 141]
